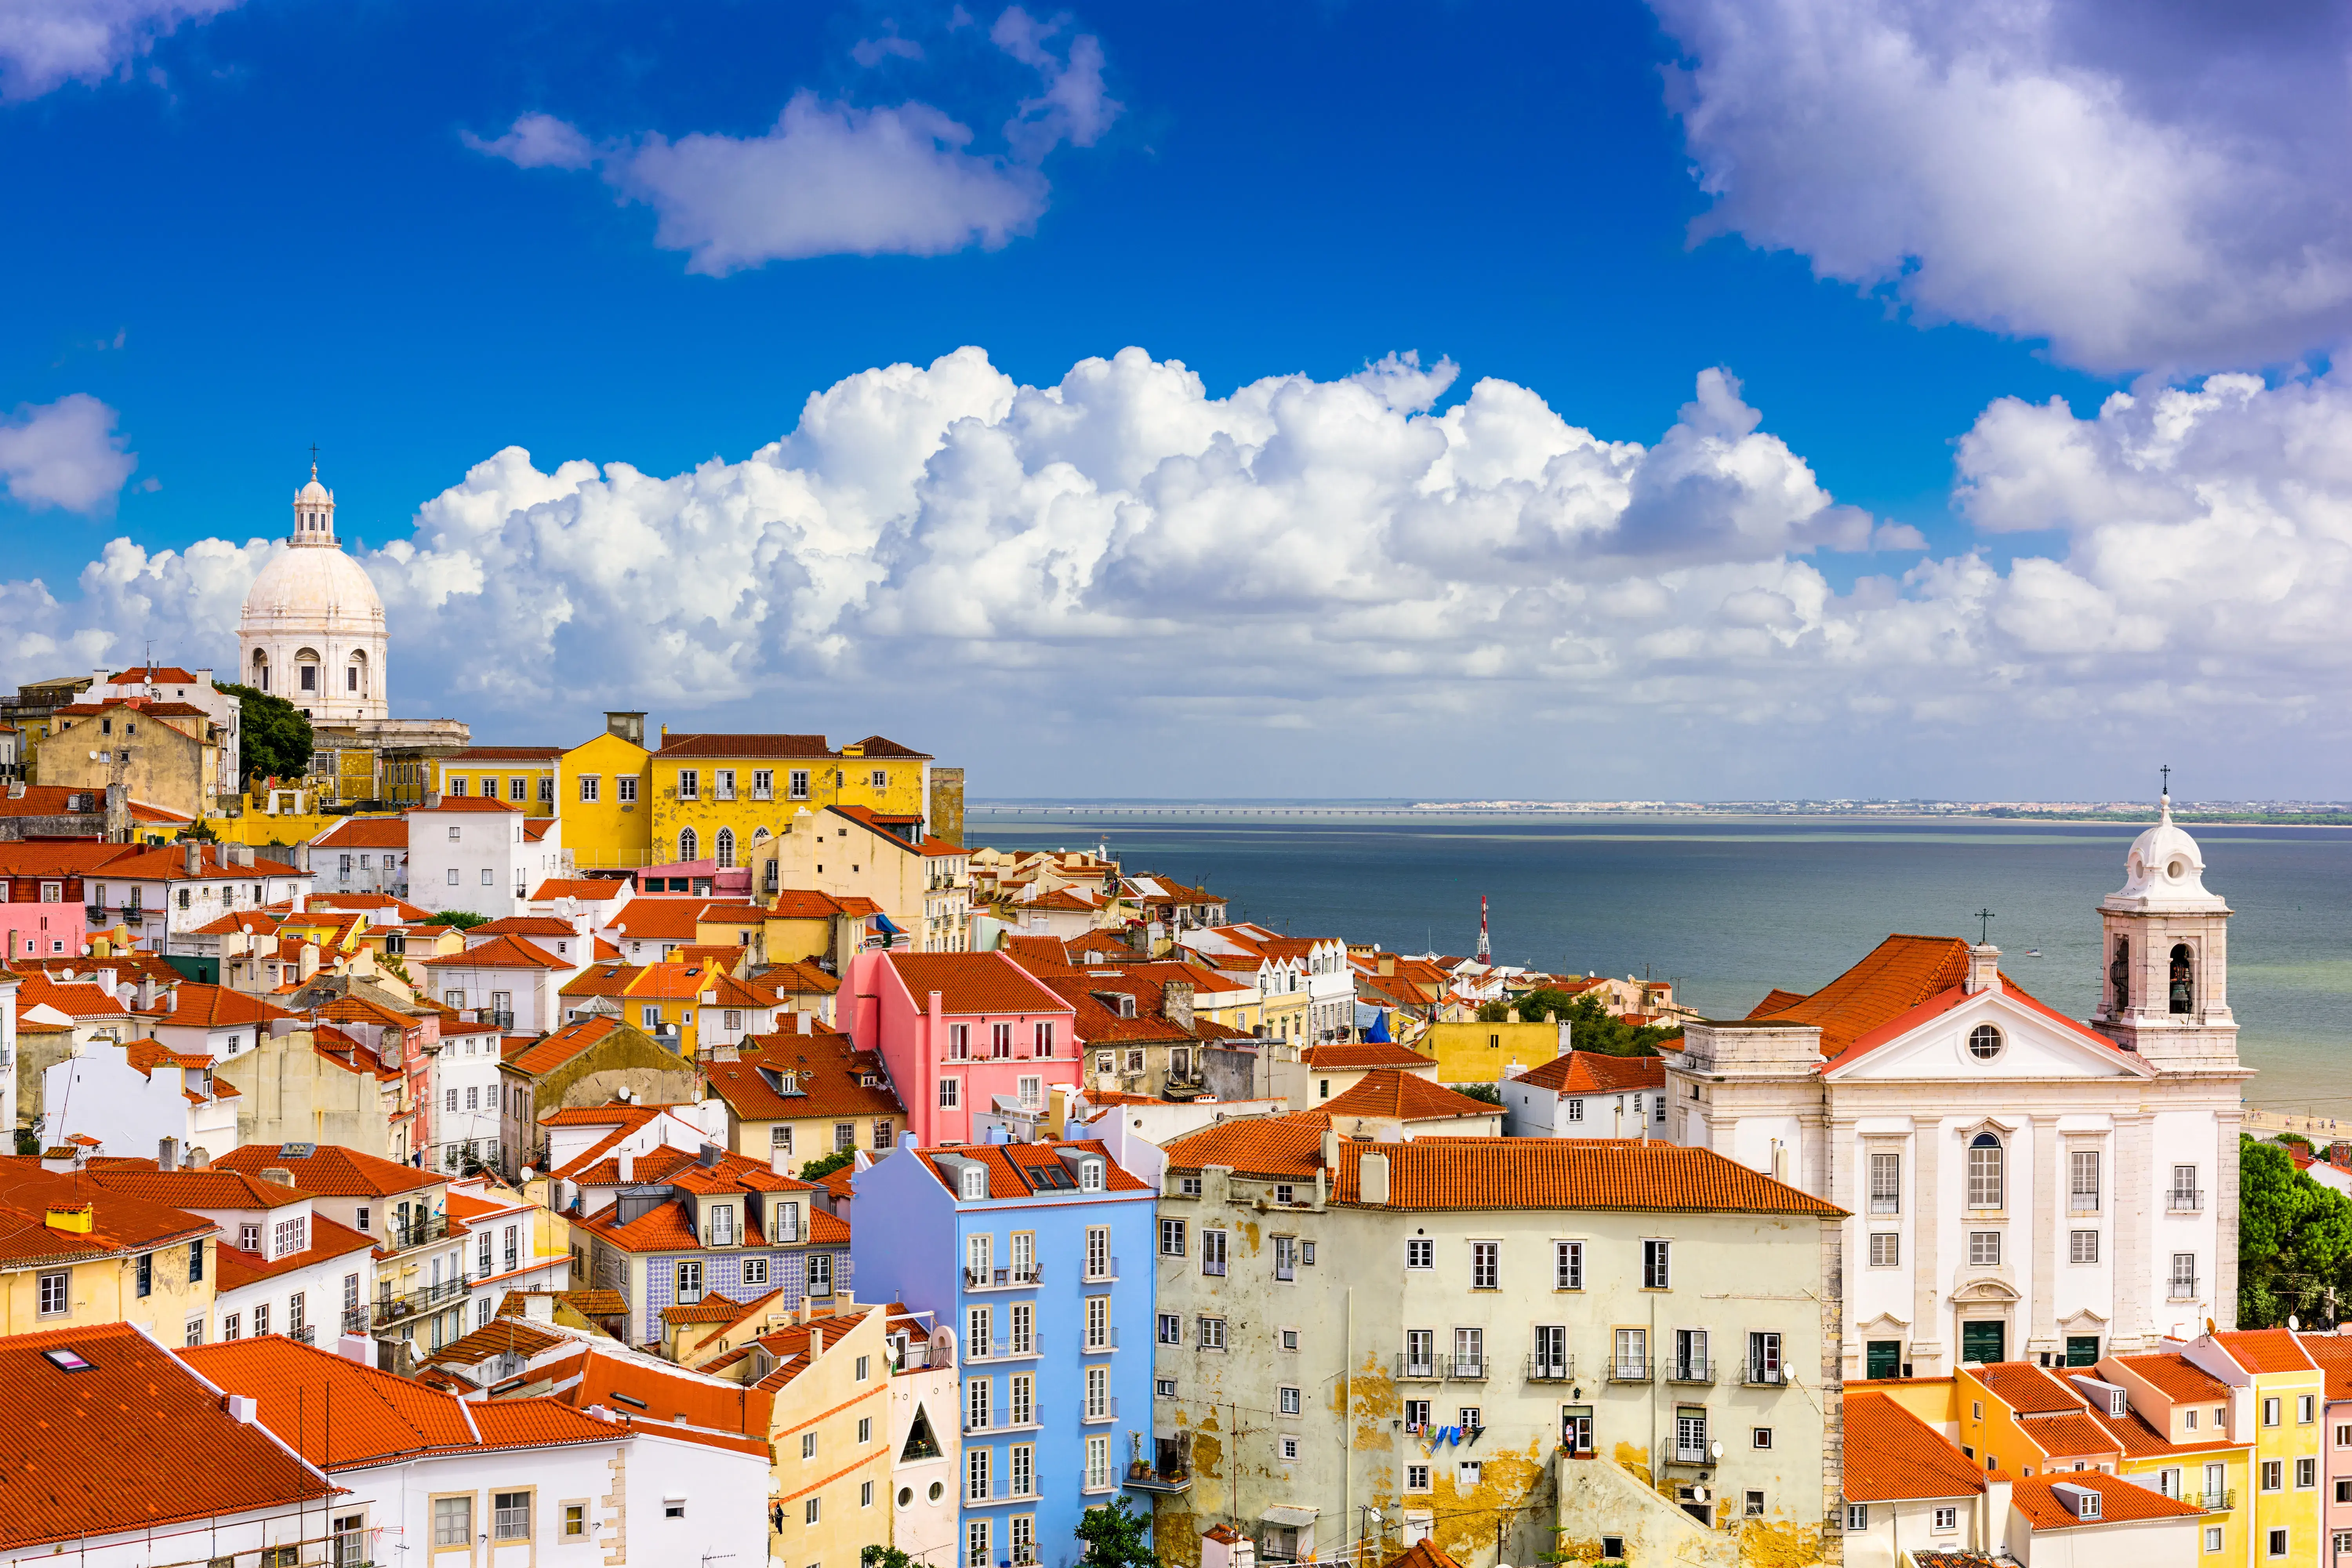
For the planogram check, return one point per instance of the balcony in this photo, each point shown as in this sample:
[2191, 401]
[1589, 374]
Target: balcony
[1108, 1411]
[2182, 1288]
[356, 1320]
[400, 1238]
[1162, 1483]
[1466, 1369]
[2183, 1200]
[1761, 1376]
[1628, 1369]
[2221, 1501]
[1105, 1340]
[306, 1333]
[1698, 1456]
[1411, 1369]
[1691, 1372]
[1110, 1276]
[1020, 1279]
[1001, 1350]
[390, 1309]
[1550, 1369]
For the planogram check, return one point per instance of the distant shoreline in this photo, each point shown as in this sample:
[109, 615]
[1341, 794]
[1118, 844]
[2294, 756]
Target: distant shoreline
[1011, 811]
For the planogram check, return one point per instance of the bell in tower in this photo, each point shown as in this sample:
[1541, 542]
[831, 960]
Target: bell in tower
[2166, 992]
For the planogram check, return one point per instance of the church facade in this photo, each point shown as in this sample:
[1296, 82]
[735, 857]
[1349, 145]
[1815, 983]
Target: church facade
[2020, 1184]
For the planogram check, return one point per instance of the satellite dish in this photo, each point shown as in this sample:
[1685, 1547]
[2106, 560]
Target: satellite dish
[2292, 1324]
[526, 1173]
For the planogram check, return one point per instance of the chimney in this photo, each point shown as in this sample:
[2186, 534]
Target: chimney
[1388, 963]
[167, 1154]
[145, 995]
[1984, 969]
[191, 858]
[278, 1173]
[301, 862]
[539, 1309]
[15, 789]
[1330, 1148]
[203, 681]
[805, 1019]
[242, 1407]
[308, 965]
[1176, 1004]
[816, 1343]
[199, 1161]
[627, 1162]
[708, 1155]
[356, 1347]
[1372, 1179]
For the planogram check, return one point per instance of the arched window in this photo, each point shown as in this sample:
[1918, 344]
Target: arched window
[355, 680]
[260, 671]
[689, 846]
[1984, 1042]
[723, 847]
[306, 669]
[1985, 1171]
[759, 835]
[2119, 975]
[2184, 989]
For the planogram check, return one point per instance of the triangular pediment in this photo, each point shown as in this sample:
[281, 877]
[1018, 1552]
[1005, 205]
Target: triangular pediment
[1934, 1042]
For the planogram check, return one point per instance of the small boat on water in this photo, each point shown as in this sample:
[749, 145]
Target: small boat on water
[2032, 952]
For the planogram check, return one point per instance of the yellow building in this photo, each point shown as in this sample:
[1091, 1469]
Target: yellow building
[2280, 1400]
[1484, 1053]
[76, 1255]
[829, 1429]
[604, 794]
[522, 776]
[714, 797]
[165, 754]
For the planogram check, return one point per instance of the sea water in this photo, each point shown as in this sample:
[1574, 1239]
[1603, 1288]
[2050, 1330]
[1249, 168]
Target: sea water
[1728, 909]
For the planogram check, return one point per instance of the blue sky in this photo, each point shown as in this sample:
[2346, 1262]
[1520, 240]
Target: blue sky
[244, 228]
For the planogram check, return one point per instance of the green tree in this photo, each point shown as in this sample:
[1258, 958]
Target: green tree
[1486, 1091]
[2295, 1240]
[825, 1165]
[1495, 1011]
[464, 919]
[872, 1556]
[1591, 1025]
[1115, 1536]
[274, 739]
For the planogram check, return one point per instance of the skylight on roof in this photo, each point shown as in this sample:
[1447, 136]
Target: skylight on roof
[296, 1150]
[65, 1360]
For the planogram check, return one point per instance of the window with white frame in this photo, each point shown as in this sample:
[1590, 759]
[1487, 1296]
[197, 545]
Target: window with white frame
[1568, 1266]
[2082, 1246]
[1984, 1249]
[1987, 1173]
[1886, 1184]
[1886, 1248]
[1656, 1265]
[1485, 1266]
[1419, 1252]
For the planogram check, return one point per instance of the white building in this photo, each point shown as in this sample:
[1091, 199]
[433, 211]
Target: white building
[508, 981]
[508, 1484]
[166, 893]
[471, 853]
[509, 1244]
[312, 630]
[1587, 1094]
[362, 855]
[133, 1096]
[463, 1076]
[2021, 1185]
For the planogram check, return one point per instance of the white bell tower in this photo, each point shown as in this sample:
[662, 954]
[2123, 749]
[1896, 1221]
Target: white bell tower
[2163, 977]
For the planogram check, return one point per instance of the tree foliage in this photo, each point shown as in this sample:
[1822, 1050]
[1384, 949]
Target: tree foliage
[874, 1556]
[2295, 1241]
[1116, 1537]
[1495, 1011]
[825, 1165]
[274, 739]
[1591, 1025]
[464, 919]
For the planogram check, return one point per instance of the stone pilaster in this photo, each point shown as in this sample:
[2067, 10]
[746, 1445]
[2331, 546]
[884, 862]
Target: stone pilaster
[2224, 1199]
[2049, 1183]
[1834, 1332]
[1927, 1346]
[2136, 1193]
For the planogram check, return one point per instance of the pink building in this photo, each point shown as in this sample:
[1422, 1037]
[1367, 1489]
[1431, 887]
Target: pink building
[959, 1031]
[41, 898]
[2333, 1354]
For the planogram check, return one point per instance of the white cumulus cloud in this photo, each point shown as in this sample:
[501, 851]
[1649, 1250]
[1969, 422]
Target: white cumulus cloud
[2147, 187]
[43, 44]
[830, 178]
[1127, 566]
[66, 455]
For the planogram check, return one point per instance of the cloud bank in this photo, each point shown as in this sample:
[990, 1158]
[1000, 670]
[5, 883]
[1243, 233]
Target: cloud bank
[43, 44]
[64, 454]
[2162, 187]
[829, 178]
[1338, 563]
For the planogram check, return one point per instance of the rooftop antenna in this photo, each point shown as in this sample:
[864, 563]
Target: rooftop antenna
[1486, 948]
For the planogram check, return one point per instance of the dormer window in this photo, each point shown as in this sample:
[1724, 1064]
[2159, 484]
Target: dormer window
[721, 1228]
[1090, 1176]
[972, 1182]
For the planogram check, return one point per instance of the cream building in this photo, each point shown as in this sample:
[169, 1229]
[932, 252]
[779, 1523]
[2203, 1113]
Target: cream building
[312, 631]
[1625, 1339]
[2021, 1185]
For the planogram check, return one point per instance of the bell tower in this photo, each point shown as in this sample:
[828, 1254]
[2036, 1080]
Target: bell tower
[2163, 965]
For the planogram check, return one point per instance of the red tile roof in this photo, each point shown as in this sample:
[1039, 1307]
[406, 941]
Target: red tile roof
[332, 1171]
[499, 953]
[1897, 975]
[972, 982]
[365, 833]
[587, 890]
[2266, 1350]
[329, 1241]
[120, 1222]
[465, 803]
[1386, 1093]
[2333, 1354]
[1276, 1146]
[1582, 1173]
[1011, 1166]
[192, 1004]
[826, 1071]
[153, 675]
[1350, 1056]
[875, 746]
[551, 1050]
[135, 1442]
[1597, 1072]
[1891, 1455]
[2175, 1376]
[686, 748]
[2120, 1501]
[218, 1188]
[2026, 1388]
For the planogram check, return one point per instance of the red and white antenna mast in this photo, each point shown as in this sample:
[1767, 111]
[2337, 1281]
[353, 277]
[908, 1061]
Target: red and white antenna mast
[1486, 948]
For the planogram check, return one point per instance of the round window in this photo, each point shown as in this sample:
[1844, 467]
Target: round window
[1984, 1042]
[2177, 870]
[936, 1487]
[906, 1496]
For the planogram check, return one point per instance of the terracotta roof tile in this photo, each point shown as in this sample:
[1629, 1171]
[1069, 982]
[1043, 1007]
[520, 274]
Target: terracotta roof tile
[329, 1241]
[587, 890]
[551, 1050]
[1597, 1072]
[826, 1071]
[1897, 975]
[1891, 1455]
[973, 982]
[135, 1442]
[332, 1171]
[1351, 1056]
[2119, 1500]
[1386, 1093]
[465, 803]
[2266, 1350]
[499, 953]
[218, 1188]
[365, 833]
[1011, 1166]
[1585, 1174]
[2026, 1388]
[686, 748]
[120, 1222]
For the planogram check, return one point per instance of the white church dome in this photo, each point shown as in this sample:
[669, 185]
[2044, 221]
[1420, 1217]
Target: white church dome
[2164, 871]
[315, 585]
[312, 631]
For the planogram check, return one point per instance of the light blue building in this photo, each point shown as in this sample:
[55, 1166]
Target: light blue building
[1045, 1252]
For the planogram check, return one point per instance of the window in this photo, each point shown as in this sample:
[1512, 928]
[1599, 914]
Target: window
[1568, 1266]
[2083, 1194]
[1416, 1415]
[1947, 1520]
[1886, 1184]
[1416, 1477]
[2277, 1543]
[1213, 1252]
[1046, 1040]
[453, 1521]
[625, 785]
[1984, 1173]
[57, 1295]
[1171, 1238]
[1000, 1039]
[690, 786]
[800, 782]
[2184, 1277]
[1655, 1272]
[1164, 1388]
[144, 1274]
[1764, 1359]
[2306, 1408]
[763, 784]
[885, 1130]
[1419, 1252]
[2273, 1475]
[820, 1273]
[951, 1091]
[2185, 1196]
[1857, 1517]
[1289, 1448]
[1286, 1401]
[1420, 1353]
[1097, 1476]
[808, 1444]
[1690, 1355]
[1984, 1249]
[1212, 1333]
[1097, 1252]
[975, 1531]
[1886, 1249]
[1759, 1437]
[510, 1512]
[1171, 1329]
[2213, 1539]
[517, 789]
[2306, 1473]
[1469, 1353]
[2082, 1246]
[1098, 1323]
[1984, 1042]
[810, 1510]
[1486, 1264]
[1633, 1346]
[1753, 1505]
[689, 1281]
